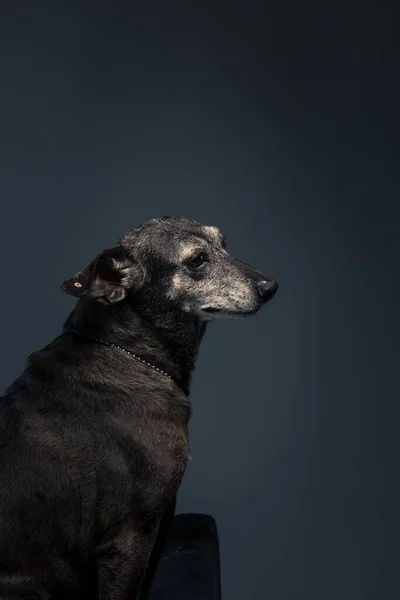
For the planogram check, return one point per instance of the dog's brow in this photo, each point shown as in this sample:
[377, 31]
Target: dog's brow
[213, 233]
[189, 248]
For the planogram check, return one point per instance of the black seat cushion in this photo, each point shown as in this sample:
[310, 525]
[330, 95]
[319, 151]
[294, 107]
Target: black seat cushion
[188, 564]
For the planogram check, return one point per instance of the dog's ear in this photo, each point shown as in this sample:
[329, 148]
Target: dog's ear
[106, 279]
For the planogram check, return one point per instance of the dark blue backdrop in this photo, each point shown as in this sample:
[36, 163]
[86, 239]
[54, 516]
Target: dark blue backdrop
[277, 122]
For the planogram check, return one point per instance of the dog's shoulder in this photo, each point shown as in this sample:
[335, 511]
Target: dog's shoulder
[70, 400]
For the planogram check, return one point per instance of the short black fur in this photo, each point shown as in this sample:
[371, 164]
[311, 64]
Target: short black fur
[93, 443]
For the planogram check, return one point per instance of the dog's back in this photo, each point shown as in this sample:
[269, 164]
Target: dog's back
[80, 458]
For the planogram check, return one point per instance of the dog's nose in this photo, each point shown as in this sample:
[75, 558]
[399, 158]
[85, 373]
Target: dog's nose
[267, 288]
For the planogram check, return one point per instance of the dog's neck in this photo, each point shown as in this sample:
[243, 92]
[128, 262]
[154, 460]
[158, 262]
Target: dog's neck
[170, 342]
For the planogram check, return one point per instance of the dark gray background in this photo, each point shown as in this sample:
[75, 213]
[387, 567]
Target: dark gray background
[278, 126]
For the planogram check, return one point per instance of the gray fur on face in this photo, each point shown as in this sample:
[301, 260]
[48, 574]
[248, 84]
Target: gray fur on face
[221, 286]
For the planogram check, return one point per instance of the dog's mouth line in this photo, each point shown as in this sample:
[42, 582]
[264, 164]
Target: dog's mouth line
[236, 313]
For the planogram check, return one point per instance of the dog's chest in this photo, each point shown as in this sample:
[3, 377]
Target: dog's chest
[165, 448]
[145, 461]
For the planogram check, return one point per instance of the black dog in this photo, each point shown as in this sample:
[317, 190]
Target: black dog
[94, 433]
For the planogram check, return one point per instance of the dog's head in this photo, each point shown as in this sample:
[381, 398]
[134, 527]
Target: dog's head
[174, 265]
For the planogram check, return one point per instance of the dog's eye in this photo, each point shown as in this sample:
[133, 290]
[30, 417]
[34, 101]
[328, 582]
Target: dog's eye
[197, 261]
